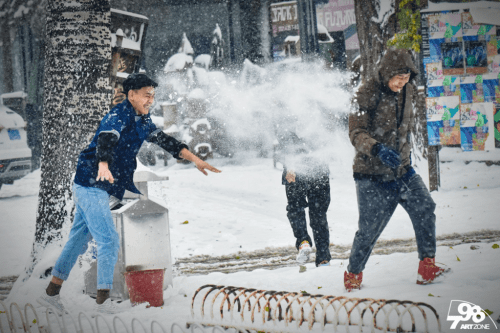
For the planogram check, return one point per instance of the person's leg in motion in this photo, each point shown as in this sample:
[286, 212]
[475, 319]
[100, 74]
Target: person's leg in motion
[103, 230]
[418, 203]
[297, 203]
[76, 245]
[318, 197]
[376, 205]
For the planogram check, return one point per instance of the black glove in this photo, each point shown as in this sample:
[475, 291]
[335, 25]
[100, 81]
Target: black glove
[387, 155]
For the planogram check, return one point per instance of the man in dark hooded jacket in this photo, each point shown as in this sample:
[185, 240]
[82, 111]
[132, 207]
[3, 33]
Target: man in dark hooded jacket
[380, 132]
[106, 168]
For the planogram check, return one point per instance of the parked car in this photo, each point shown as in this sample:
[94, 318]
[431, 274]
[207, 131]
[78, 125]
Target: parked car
[15, 155]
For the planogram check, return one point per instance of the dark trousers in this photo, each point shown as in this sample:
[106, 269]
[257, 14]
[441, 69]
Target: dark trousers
[312, 192]
[376, 205]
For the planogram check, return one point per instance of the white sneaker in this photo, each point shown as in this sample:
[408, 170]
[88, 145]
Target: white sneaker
[304, 251]
[52, 302]
[108, 307]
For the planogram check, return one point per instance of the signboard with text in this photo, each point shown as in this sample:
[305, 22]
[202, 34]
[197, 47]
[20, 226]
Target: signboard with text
[338, 15]
[284, 24]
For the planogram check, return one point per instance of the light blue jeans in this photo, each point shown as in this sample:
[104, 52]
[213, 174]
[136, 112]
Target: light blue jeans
[92, 220]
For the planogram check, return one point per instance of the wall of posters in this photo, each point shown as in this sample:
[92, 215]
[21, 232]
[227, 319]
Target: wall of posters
[462, 64]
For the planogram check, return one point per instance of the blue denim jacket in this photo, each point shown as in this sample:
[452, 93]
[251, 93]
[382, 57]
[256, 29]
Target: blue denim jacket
[131, 130]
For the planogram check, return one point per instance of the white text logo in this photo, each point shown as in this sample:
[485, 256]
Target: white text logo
[471, 316]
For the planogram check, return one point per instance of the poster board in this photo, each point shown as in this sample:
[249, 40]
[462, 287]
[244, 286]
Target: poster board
[462, 63]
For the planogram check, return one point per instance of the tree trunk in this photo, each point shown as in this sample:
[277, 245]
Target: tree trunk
[374, 30]
[77, 95]
[8, 70]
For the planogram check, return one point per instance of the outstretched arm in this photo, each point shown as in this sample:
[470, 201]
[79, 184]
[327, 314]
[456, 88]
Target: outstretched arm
[200, 165]
[179, 150]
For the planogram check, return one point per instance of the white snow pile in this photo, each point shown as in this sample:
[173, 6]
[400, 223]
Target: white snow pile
[203, 61]
[325, 36]
[178, 62]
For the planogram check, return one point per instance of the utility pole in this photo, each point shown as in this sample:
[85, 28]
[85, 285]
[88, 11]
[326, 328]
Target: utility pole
[308, 29]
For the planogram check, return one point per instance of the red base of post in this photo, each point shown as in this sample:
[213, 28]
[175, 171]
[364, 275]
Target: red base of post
[145, 286]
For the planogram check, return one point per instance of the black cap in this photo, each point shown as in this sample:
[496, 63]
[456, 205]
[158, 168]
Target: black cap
[137, 81]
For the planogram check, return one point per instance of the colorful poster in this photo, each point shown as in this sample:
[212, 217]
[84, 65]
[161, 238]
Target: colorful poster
[490, 88]
[471, 89]
[494, 64]
[435, 48]
[445, 25]
[476, 57]
[443, 120]
[435, 89]
[477, 126]
[434, 71]
[470, 28]
[493, 47]
[453, 58]
[447, 86]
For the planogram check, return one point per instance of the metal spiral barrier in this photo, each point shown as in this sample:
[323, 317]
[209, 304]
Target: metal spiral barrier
[282, 311]
[14, 320]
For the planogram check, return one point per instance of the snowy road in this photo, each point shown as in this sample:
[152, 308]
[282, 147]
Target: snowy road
[273, 258]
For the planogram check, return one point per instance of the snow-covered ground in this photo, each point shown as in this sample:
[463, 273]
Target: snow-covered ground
[243, 209]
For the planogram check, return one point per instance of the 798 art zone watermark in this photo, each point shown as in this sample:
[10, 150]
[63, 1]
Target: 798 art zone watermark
[469, 316]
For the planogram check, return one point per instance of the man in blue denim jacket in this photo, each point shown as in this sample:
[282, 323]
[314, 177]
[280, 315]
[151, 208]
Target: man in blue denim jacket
[106, 167]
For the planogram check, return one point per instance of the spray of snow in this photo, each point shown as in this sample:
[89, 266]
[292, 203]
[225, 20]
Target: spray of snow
[253, 103]
[263, 99]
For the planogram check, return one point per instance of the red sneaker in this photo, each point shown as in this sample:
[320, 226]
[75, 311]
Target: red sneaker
[352, 281]
[428, 271]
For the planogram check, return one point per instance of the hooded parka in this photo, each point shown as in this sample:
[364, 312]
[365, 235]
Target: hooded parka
[384, 116]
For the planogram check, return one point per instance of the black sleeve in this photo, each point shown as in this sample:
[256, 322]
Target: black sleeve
[375, 149]
[105, 143]
[168, 143]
